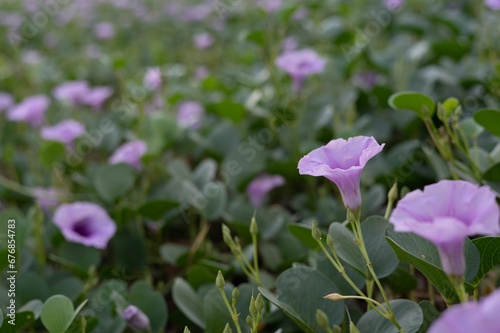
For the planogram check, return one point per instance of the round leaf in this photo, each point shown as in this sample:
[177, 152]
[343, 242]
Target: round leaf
[419, 103]
[57, 313]
[489, 119]
[113, 181]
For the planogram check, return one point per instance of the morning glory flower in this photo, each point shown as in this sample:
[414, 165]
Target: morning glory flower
[136, 318]
[299, 64]
[190, 114]
[342, 161]
[72, 91]
[270, 6]
[6, 101]
[479, 316]
[31, 110]
[260, 186]
[65, 131]
[96, 97]
[492, 4]
[446, 213]
[85, 223]
[104, 30]
[152, 79]
[394, 4]
[203, 40]
[47, 198]
[130, 153]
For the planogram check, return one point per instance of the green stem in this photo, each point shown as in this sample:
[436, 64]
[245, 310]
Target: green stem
[256, 259]
[234, 315]
[13, 186]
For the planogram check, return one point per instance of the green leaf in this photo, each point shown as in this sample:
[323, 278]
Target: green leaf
[151, 302]
[489, 249]
[113, 181]
[214, 200]
[171, 252]
[188, 301]
[303, 233]
[215, 313]
[79, 256]
[1, 317]
[401, 281]
[300, 292]
[424, 256]
[58, 313]
[130, 250]
[34, 306]
[383, 259]
[489, 119]
[155, 209]
[430, 315]
[23, 319]
[470, 128]
[205, 172]
[52, 152]
[408, 314]
[229, 109]
[419, 103]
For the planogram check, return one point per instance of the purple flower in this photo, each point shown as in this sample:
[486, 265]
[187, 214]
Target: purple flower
[104, 30]
[471, 317]
[85, 223]
[152, 78]
[492, 4]
[130, 153]
[72, 91]
[66, 131]
[366, 80]
[300, 64]
[394, 4]
[190, 114]
[47, 198]
[31, 110]
[136, 318]
[96, 97]
[342, 162]
[198, 12]
[445, 213]
[289, 44]
[260, 186]
[201, 72]
[6, 101]
[271, 6]
[203, 40]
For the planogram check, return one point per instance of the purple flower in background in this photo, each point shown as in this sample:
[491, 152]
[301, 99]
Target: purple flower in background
[6, 101]
[342, 161]
[289, 44]
[66, 131]
[96, 97]
[32, 57]
[190, 114]
[366, 80]
[130, 153]
[492, 4]
[471, 317]
[300, 14]
[270, 6]
[136, 318]
[72, 91]
[152, 79]
[394, 4]
[104, 30]
[85, 223]
[201, 72]
[203, 40]
[198, 12]
[260, 186]
[445, 213]
[47, 198]
[300, 64]
[31, 110]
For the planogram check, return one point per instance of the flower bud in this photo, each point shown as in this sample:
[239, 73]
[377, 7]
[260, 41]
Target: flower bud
[353, 328]
[236, 293]
[316, 232]
[253, 308]
[322, 319]
[249, 321]
[334, 297]
[135, 318]
[219, 281]
[259, 303]
[227, 329]
[186, 330]
[329, 241]
[393, 193]
[254, 229]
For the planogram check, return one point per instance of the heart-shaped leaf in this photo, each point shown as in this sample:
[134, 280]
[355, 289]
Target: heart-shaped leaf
[188, 301]
[58, 313]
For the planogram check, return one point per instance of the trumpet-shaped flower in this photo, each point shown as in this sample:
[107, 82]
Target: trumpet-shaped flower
[96, 97]
[85, 223]
[492, 4]
[72, 91]
[470, 317]
[66, 131]
[445, 213]
[136, 318]
[260, 186]
[299, 64]
[342, 162]
[130, 153]
[190, 114]
[6, 101]
[31, 110]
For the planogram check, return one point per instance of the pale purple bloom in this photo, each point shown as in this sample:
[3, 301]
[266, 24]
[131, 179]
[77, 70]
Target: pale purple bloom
[104, 30]
[47, 198]
[32, 57]
[394, 4]
[342, 161]
[289, 44]
[136, 318]
[65, 131]
[300, 64]
[446, 213]
[152, 79]
[31, 110]
[470, 317]
[190, 114]
[72, 91]
[130, 153]
[201, 72]
[270, 6]
[203, 40]
[260, 186]
[492, 4]
[85, 223]
[198, 12]
[6, 101]
[96, 97]
[300, 13]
